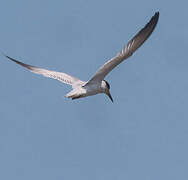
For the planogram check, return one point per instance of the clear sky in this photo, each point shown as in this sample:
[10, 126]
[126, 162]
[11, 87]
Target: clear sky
[142, 135]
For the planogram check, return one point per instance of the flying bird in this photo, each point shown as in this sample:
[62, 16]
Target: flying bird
[97, 84]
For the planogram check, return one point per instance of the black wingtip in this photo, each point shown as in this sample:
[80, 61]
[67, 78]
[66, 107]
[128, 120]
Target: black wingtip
[10, 58]
[4, 54]
[156, 16]
[152, 23]
[18, 62]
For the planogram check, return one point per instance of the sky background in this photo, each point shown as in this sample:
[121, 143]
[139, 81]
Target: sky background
[142, 135]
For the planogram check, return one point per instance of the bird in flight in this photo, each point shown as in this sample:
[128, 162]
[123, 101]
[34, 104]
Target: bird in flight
[97, 84]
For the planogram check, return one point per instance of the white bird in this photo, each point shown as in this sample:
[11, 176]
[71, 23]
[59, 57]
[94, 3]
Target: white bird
[97, 84]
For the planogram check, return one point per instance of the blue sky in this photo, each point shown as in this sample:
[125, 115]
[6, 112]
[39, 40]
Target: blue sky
[142, 135]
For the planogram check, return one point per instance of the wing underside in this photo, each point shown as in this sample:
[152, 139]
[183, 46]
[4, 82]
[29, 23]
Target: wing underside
[63, 77]
[128, 49]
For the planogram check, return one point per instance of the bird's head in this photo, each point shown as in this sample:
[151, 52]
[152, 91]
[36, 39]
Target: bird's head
[106, 87]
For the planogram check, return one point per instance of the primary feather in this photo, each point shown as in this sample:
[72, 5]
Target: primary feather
[63, 77]
[128, 50]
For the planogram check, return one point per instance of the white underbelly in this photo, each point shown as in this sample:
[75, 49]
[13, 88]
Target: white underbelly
[84, 91]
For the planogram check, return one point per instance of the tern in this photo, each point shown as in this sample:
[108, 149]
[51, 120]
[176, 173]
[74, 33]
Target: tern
[97, 84]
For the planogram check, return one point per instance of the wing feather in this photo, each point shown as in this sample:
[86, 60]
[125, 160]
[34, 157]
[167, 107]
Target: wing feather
[128, 50]
[63, 77]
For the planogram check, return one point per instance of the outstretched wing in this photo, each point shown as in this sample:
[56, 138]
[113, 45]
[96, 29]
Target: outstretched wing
[128, 50]
[65, 78]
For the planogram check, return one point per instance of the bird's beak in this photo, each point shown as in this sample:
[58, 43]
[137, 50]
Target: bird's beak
[109, 95]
